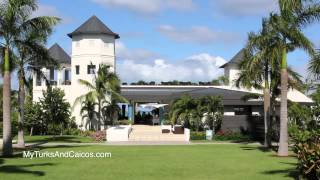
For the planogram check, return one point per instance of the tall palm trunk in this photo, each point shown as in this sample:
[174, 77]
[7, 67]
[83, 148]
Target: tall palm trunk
[7, 134]
[266, 116]
[99, 115]
[21, 109]
[283, 142]
[266, 106]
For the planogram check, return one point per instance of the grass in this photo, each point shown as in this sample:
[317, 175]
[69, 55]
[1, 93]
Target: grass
[186, 162]
[57, 139]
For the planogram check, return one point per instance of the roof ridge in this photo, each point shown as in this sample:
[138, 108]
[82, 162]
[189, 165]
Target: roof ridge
[93, 26]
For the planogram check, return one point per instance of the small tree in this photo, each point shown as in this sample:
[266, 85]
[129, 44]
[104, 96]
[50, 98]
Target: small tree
[56, 110]
[214, 111]
[34, 119]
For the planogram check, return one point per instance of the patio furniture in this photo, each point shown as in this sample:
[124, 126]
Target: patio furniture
[178, 129]
[165, 128]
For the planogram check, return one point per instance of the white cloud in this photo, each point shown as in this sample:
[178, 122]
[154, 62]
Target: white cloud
[244, 7]
[199, 67]
[148, 6]
[124, 53]
[197, 34]
[47, 10]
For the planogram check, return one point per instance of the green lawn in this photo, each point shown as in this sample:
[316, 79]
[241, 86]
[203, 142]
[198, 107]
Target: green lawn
[155, 162]
[57, 139]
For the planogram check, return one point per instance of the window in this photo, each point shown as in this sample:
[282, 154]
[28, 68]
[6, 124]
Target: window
[66, 75]
[77, 44]
[51, 73]
[77, 69]
[241, 110]
[91, 69]
[38, 79]
[53, 76]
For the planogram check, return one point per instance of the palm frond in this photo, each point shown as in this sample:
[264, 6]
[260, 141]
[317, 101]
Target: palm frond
[86, 83]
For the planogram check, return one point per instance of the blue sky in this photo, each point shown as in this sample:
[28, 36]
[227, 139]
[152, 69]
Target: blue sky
[165, 39]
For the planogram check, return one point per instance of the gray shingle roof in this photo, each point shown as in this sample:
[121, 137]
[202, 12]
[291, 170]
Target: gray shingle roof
[236, 59]
[93, 26]
[58, 54]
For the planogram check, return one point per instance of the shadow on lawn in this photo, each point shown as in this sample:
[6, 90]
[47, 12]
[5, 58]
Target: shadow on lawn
[290, 172]
[66, 139]
[22, 169]
[47, 147]
[260, 148]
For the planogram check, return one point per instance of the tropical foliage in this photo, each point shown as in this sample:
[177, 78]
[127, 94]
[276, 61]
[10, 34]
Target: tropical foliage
[33, 117]
[197, 114]
[260, 69]
[21, 35]
[287, 25]
[104, 93]
[88, 112]
[281, 33]
[307, 148]
[56, 110]
[304, 125]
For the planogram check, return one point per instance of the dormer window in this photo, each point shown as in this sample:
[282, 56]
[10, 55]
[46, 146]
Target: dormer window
[91, 69]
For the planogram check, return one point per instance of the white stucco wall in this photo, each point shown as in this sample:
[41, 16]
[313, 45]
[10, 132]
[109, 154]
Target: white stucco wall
[232, 73]
[86, 50]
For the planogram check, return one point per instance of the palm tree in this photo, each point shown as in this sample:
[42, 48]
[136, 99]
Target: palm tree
[106, 87]
[15, 20]
[197, 113]
[314, 67]
[109, 111]
[260, 58]
[288, 24]
[88, 112]
[31, 54]
[181, 110]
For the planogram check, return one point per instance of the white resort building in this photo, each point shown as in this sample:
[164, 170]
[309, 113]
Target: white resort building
[93, 43]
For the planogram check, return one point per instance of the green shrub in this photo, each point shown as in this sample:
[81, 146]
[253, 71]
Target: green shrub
[197, 135]
[73, 132]
[307, 148]
[86, 133]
